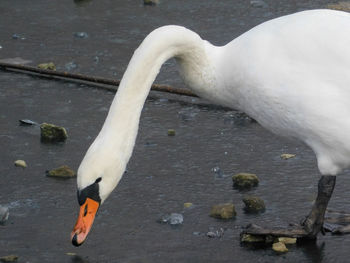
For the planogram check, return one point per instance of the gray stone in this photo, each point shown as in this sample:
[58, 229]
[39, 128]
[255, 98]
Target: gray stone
[61, 172]
[253, 204]
[279, 247]
[223, 211]
[52, 133]
[245, 180]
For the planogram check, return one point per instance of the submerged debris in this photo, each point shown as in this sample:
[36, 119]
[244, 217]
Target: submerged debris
[20, 163]
[15, 60]
[81, 35]
[279, 247]
[215, 233]
[52, 133]
[9, 258]
[172, 219]
[61, 172]
[253, 204]
[4, 214]
[223, 211]
[150, 2]
[286, 156]
[245, 180]
[70, 66]
[258, 3]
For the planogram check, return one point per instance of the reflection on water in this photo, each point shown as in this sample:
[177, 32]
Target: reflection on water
[313, 252]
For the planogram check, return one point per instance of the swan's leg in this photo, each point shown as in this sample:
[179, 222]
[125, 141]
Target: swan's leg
[313, 223]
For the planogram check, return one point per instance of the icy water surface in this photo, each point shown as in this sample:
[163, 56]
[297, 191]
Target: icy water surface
[164, 172]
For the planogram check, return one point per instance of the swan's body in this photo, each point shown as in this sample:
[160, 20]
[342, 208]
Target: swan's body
[291, 74]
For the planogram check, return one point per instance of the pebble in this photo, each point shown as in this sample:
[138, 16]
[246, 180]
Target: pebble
[223, 211]
[4, 214]
[253, 204]
[9, 258]
[172, 219]
[245, 180]
[279, 247]
[286, 156]
[47, 66]
[171, 132]
[61, 172]
[52, 133]
[188, 205]
[287, 240]
[81, 35]
[20, 163]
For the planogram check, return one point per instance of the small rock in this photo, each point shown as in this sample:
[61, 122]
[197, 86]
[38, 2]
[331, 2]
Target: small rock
[52, 133]
[71, 254]
[341, 6]
[172, 219]
[253, 204]
[245, 180]
[4, 214]
[188, 205]
[287, 240]
[27, 122]
[286, 156]
[20, 163]
[70, 66]
[81, 35]
[248, 238]
[171, 132]
[9, 258]
[47, 66]
[223, 211]
[150, 2]
[279, 247]
[62, 172]
[258, 3]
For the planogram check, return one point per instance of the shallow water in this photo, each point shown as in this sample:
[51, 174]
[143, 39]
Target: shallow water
[164, 172]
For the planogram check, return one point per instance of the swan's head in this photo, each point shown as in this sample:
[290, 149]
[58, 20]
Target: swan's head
[98, 175]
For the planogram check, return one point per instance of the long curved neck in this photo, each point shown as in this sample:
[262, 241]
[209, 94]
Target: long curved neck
[119, 131]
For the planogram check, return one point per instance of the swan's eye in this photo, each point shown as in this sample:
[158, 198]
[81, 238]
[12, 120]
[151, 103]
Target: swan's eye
[98, 180]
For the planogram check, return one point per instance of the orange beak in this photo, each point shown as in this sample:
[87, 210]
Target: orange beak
[85, 220]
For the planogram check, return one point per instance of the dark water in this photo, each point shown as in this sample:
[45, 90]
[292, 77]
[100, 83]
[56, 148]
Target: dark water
[164, 172]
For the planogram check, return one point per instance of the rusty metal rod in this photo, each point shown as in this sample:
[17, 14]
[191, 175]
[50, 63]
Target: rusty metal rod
[93, 79]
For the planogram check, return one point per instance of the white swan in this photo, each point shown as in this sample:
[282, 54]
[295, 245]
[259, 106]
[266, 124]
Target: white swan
[291, 74]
